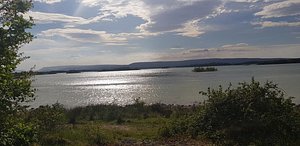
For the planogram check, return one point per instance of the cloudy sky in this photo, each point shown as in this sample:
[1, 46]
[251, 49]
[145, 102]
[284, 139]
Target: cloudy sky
[71, 32]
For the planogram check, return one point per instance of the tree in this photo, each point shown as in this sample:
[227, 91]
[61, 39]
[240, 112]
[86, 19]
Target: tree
[15, 88]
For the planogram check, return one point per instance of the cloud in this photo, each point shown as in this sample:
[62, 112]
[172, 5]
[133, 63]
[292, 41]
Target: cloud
[119, 8]
[240, 50]
[190, 29]
[43, 18]
[225, 48]
[195, 53]
[179, 17]
[177, 48]
[49, 1]
[242, 1]
[85, 35]
[287, 8]
[93, 36]
[70, 21]
[280, 9]
[266, 24]
[90, 3]
[235, 45]
[159, 16]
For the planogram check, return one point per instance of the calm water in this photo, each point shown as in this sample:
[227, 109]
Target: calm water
[175, 86]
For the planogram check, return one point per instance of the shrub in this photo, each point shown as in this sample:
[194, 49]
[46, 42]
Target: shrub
[176, 127]
[249, 114]
[21, 134]
[48, 118]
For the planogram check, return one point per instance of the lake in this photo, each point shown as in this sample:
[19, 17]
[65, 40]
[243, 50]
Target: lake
[172, 86]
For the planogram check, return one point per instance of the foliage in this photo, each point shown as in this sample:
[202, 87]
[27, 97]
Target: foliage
[131, 132]
[175, 127]
[18, 132]
[14, 89]
[204, 69]
[120, 113]
[47, 118]
[251, 113]
[248, 114]
[110, 124]
[83, 134]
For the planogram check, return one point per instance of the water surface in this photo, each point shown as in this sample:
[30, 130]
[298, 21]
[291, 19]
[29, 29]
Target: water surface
[172, 86]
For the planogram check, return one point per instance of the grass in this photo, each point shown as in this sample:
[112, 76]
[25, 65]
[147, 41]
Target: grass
[136, 124]
[134, 132]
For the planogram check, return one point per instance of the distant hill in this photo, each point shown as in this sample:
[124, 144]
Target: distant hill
[169, 64]
[83, 68]
[197, 62]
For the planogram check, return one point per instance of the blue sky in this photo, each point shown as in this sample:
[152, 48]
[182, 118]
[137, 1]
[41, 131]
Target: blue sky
[84, 32]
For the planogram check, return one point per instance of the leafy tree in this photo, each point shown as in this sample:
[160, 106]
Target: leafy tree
[14, 88]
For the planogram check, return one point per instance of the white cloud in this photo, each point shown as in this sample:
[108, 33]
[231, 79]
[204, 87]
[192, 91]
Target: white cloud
[235, 45]
[265, 24]
[240, 47]
[177, 48]
[120, 8]
[49, 1]
[181, 14]
[71, 21]
[42, 18]
[84, 35]
[236, 51]
[159, 16]
[90, 3]
[190, 29]
[93, 36]
[280, 9]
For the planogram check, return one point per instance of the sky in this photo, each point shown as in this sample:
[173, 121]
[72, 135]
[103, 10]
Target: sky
[88, 32]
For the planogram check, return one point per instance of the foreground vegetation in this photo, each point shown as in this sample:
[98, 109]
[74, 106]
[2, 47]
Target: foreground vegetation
[204, 69]
[250, 114]
[14, 89]
[136, 124]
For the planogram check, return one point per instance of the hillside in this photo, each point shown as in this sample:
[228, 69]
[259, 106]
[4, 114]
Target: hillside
[169, 64]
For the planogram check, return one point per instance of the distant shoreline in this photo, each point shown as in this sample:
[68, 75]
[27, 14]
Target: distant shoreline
[169, 64]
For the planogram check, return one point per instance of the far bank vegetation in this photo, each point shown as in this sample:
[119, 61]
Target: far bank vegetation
[204, 69]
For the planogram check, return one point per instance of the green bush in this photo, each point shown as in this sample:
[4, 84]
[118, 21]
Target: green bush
[176, 127]
[47, 118]
[21, 134]
[250, 114]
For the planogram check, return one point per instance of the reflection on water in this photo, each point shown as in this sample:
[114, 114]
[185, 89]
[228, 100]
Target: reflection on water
[175, 86]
